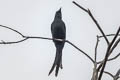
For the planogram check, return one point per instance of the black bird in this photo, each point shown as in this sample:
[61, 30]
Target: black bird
[58, 31]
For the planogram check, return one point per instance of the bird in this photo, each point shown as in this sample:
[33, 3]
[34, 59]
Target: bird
[58, 30]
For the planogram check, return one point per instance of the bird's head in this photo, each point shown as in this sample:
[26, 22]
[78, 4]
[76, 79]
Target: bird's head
[58, 14]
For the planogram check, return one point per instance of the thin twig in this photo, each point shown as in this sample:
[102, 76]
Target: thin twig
[3, 42]
[80, 51]
[114, 57]
[109, 74]
[80, 7]
[96, 48]
[108, 54]
[95, 21]
[35, 37]
[110, 58]
[116, 76]
[108, 35]
[12, 30]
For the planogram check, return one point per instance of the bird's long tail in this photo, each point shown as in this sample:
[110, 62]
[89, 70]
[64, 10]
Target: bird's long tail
[57, 62]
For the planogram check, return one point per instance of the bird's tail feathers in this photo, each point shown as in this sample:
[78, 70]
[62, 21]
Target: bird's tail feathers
[58, 65]
[57, 62]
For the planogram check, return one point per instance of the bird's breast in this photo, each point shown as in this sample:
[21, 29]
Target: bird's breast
[58, 29]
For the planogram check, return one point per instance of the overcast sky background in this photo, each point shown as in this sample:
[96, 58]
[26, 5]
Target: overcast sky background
[32, 59]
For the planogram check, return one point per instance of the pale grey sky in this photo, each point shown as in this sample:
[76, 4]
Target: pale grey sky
[32, 59]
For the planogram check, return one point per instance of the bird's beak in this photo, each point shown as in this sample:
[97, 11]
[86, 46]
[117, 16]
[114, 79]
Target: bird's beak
[59, 10]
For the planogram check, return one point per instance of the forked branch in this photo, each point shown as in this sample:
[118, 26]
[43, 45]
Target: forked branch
[34, 37]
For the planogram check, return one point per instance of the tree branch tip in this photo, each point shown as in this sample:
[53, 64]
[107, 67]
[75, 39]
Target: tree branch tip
[73, 1]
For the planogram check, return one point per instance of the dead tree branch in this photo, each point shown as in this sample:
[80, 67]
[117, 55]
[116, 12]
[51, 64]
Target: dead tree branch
[94, 20]
[108, 35]
[12, 30]
[3, 42]
[96, 48]
[116, 76]
[80, 51]
[115, 57]
[33, 37]
[111, 45]
[108, 54]
[95, 72]
[109, 74]
[118, 73]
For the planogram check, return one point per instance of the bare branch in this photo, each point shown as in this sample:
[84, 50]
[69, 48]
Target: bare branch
[114, 57]
[115, 77]
[110, 58]
[114, 46]
[92, 17]
[96, 48]
[12, 30]
[80, 7]
[108, 54]
[109, 74]
[109, 45]
[108, 35]
[3, 42]
[80, 51]
[118, 73]
[34, 37]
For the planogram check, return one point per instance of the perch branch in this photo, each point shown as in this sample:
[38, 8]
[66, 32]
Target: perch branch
[33, 37]
[3, 42]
